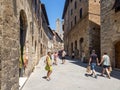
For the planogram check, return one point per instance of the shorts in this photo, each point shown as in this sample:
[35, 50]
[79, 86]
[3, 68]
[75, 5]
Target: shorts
[63, 57]
[48, 68]
[106, 66]
[93, 66]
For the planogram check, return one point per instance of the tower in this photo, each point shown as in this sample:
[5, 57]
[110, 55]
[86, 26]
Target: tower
[58, 24]
[58, 28]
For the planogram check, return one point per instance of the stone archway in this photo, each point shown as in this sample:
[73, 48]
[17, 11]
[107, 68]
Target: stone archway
[23, 31]
[117, 55]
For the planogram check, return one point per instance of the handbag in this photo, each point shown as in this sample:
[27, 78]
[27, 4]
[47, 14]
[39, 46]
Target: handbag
[110, 69]
[88, 69]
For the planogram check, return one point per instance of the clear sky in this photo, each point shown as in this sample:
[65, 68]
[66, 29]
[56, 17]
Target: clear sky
[54, 10]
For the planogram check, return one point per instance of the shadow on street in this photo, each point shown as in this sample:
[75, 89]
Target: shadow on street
[114, 73]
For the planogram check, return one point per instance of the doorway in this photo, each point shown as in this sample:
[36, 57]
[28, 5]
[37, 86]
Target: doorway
[23, 31]
[117, 55]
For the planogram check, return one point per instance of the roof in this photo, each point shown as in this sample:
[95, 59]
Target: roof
[45, 13]
[65, 8]
[51, 30]
[57, 35]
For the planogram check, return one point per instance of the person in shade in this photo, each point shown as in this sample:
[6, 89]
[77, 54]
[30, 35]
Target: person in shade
[63, 56]
[48, 66]
[106, 64]
[73, 55]
[92, 62]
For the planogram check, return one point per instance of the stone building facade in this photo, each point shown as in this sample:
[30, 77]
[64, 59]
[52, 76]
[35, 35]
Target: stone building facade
[44, 27]
[20, 45]
[94, 26]
[46, 37]
[57, 42]
[81, 27]
[110, 30]
[28, 16]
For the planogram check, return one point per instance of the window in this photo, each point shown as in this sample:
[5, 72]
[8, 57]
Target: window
[76, 44]
[117, 5]
[35, 45]
[35, 6]
[71, 11]
[41, 49]
[75, 19]
[15, 7]
[81, 40]
[71, 47]
[75, 5]
[81, 13]
[71, 24]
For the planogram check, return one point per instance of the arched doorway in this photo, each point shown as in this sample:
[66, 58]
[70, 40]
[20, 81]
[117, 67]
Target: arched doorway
[23, 31]
[117, 55]
[81, 46]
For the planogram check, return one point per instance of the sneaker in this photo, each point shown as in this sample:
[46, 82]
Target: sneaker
[108, 77]
[102, 75]
[96, 76]
[91, 74]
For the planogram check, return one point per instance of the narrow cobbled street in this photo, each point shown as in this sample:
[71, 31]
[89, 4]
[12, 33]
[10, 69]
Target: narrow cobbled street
[70, 76]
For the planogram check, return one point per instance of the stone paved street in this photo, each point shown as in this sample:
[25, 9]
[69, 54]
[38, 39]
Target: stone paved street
[70, 76]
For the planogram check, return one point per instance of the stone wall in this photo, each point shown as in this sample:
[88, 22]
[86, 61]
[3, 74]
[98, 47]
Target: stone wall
[86, 30]
[76, 27]
[94, 26]
[1, 29]
[110, 29]
[78, 32]
[10, 48]
[32, 42]
[13, 14]
[94, 38]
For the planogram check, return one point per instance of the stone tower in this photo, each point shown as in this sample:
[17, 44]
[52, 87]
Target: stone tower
[58, 24]
[58, 28]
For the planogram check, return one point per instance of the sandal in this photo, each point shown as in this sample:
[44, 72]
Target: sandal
[48, 79]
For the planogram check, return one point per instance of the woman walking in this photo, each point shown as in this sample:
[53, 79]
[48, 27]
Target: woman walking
[48, 66]
[106, 64]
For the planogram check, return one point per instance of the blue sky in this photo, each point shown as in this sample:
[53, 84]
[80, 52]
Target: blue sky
[54, 10]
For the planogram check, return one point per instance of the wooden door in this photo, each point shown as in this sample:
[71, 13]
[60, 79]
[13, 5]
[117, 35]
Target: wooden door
[117, 55]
